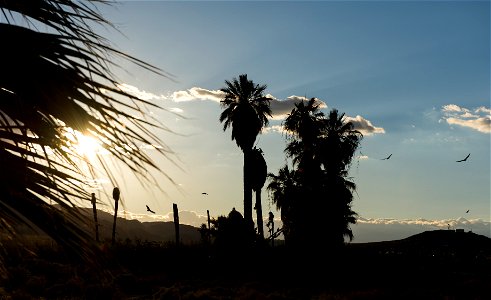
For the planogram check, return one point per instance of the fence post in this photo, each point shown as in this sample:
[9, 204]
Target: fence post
[116, 194]
[176, 222]
[94, 210]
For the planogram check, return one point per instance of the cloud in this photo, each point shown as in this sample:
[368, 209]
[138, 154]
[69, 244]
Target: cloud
[361, 124]
[133, 90]
[365, 230]
[281, 108]
[197, 93]
[480, 124]
[274, 129]
[176, 110]
[364, 126]
[185, 217]
[477, 119]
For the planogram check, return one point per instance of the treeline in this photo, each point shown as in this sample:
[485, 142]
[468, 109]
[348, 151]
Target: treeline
[313, 192]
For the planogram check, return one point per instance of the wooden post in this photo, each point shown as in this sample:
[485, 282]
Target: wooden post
[94, 210]
[271, 230]
[116, 194]
[176, 222]
[208, 213]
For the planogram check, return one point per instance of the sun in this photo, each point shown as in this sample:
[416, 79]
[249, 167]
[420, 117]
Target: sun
[87, 145]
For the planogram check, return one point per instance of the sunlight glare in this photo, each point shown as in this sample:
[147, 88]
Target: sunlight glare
[87, 145]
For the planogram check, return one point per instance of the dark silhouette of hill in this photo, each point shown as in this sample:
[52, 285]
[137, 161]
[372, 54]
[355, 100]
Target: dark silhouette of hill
[436, 243]
[133, 230]
[144, 231]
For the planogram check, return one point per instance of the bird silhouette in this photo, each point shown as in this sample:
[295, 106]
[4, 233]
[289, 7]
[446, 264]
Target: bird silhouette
[467, 212]
[148, 209]
[204, 193]
[387, 157]
[464, 158]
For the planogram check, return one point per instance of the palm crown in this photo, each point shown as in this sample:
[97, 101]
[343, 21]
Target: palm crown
[246, 110]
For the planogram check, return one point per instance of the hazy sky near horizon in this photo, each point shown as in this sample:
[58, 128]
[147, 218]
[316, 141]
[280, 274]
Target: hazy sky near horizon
[414, 75]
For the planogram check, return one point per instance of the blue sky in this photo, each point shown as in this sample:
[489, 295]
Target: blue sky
[417, 72]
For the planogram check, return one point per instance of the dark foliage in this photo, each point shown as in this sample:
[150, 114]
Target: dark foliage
[56, 84]
[315, 196]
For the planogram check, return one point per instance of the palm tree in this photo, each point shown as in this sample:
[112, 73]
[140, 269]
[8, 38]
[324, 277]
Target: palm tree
[304, 124]
[284, 191]
[259, 171]
[339, 143]
[53, 84]
[321, 149]
[246, 110]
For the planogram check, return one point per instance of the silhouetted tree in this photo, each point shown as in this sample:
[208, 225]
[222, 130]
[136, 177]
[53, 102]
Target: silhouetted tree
[56, 80]
[259, 171]
[230, 234]
[246, 110]
[285, 192]
[315, 197]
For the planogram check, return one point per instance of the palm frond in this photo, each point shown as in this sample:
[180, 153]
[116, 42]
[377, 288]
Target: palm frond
[53, 83]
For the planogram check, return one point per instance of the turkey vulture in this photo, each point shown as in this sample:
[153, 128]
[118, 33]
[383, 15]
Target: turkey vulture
[464, 158]
[148, 209]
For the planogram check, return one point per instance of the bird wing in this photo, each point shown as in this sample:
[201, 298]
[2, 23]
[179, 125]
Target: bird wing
[464, 158]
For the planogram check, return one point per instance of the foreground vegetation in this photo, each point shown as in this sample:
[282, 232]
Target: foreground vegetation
[435, 266]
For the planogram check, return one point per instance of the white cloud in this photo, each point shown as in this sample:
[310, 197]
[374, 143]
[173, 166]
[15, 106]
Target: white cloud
[279, 108]
[197, 93]
[361, 124]
[364, 126]
[450, 108]
[133, 90]
[176, 110]
[365, 230]
[483, 109]
[479, 120]
[274, 129]
[480, 124]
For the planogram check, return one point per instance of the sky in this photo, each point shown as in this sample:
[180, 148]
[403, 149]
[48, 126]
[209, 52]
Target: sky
[413, 76]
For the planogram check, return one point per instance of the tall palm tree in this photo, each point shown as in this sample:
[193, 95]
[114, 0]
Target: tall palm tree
[246, 110]
[53, 84]
[258, 178]
[305, 125]
[322, 149]
[339, 143]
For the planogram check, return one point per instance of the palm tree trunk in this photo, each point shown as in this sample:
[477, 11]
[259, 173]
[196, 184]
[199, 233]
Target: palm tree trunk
[259, 214]
[247, 191]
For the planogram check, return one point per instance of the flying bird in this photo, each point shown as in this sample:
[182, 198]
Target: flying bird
[467, 212]
[387, 157]
[148, 209]
[464, 158]
[204, 193]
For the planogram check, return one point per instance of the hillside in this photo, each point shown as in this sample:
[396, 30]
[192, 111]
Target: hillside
[133, 230]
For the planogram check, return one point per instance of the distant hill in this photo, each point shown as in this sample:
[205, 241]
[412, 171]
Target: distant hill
[447, 242]
[440, 243]
[128, 229]
[136, 230]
